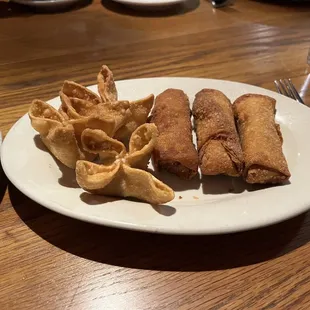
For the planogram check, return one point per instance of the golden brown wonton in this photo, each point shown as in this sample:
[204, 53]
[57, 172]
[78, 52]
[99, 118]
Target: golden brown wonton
[120, 173]
[84, 103]
[140, 110]
[82, 129]
[106, 85]
[55, 132]
[84, 114]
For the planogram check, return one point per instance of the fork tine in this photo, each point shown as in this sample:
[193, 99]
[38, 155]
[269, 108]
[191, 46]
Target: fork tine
[284, 89]
[278, 86]
[295, 92]
[289, 90]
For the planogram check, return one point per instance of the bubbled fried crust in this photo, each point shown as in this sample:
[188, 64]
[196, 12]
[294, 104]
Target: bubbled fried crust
[174, 150]
[217, 139]
[261, 139]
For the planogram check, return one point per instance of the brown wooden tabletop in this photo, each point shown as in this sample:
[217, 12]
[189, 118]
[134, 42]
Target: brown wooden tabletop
[48, 261]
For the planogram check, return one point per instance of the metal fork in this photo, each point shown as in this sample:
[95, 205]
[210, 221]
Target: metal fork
[285, 87]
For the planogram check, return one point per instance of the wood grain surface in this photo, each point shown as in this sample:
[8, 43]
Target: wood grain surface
[48, 261]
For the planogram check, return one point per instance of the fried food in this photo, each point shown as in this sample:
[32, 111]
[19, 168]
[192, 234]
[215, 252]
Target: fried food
[120, 173]
[57, 134]
[217, 138]
[79, 102]
[106, 85]
[140, 110]
[84, 114]
[75, 90]
[174, 150]
[261, 139]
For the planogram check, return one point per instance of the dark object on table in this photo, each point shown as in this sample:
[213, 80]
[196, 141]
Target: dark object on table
[51, 6]
[221, 3]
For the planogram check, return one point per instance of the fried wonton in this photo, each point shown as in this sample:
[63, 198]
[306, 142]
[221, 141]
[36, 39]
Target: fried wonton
[75, 90]
[57, 134]
[106, 85]
[84, 101]
[140, 110]
[120, 173]
[84, 114]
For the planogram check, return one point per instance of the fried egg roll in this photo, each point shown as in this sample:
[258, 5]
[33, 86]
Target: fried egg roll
[261, 139]
[174, 150]
[218, 142]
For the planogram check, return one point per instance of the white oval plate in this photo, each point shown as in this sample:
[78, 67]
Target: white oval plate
[200, 207]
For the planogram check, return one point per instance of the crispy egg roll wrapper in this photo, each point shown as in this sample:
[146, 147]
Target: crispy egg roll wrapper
[261, 139]
[174, 150]
[218, 142]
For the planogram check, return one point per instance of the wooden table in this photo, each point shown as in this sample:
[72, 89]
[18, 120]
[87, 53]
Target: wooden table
[49, 261]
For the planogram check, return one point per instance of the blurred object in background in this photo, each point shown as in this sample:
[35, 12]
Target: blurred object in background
[150, 4]
[221, 3]
[308, 59]
[53, 5]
